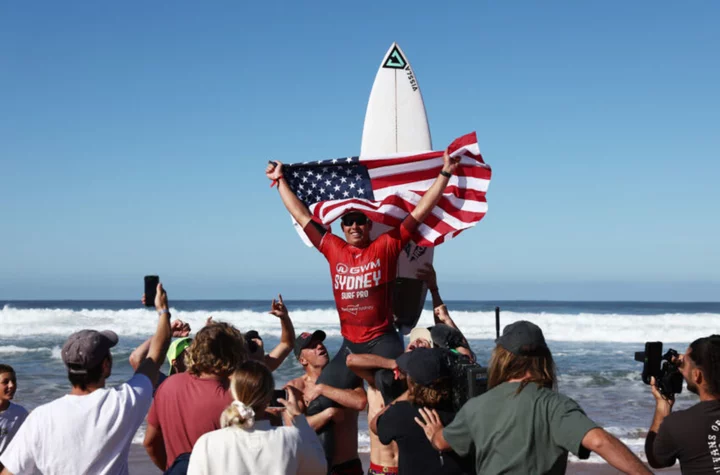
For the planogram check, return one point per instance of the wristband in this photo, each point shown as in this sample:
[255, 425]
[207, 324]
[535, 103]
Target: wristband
[164, 311]
[445, 174]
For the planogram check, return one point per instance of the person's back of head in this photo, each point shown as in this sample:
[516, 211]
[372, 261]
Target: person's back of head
[522, 354]
[252, 387]
[218, 348]
[87, 357]
[705, 354]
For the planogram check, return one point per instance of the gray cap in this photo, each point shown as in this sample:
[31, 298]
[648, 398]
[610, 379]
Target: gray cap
[522, 338]
[86, 349]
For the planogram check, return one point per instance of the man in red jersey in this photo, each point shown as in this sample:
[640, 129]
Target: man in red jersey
[363, 272]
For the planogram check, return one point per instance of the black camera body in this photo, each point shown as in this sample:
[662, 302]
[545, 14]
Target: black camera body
[668, 378]
[468, 380]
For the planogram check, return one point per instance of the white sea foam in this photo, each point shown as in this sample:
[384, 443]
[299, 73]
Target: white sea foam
[18, 350]
[21, 323]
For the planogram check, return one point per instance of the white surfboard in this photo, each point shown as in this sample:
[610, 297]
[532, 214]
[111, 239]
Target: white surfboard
[396, 122]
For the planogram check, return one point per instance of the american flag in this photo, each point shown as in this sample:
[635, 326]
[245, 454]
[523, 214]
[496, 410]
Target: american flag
[387, 189]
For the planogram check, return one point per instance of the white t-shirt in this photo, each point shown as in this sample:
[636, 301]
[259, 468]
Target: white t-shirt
[88, 434]
[263, 450]
[10, 421]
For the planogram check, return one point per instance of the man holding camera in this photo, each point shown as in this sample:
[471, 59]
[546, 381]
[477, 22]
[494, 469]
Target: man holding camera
[691, 436]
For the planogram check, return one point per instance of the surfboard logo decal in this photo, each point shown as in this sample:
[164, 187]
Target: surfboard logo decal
[413, 251]
[395, 60]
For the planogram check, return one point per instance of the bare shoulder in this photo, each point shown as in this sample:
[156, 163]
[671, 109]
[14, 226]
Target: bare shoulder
[297, 383]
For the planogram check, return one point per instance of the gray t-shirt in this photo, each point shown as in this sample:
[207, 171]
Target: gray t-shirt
[529, 432]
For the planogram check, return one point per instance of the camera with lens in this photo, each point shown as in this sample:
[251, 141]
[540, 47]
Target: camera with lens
[468, 379]
[668, 378]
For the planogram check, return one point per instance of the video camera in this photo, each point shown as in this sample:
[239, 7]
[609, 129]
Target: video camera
[668, 378]
[468, 380]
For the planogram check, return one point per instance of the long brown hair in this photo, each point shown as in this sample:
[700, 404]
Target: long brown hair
[252, 384]
[219, 348]
[505, 366]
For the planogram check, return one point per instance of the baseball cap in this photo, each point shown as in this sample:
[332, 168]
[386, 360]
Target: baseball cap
[420, 332]
[86, 349]
[177, 347]
[425, 365]
[304, 340]
[522, 338]
[445, 336]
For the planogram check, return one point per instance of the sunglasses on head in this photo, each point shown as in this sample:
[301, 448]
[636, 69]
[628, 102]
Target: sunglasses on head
[349, 220]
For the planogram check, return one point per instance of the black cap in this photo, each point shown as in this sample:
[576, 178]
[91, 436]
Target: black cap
[522, 338]
[444, 336]
[425, 365]
[303, 341]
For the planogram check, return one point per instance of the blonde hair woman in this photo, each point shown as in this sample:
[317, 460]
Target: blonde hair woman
[247, 443]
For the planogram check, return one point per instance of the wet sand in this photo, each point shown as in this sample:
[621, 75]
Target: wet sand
[140, 464]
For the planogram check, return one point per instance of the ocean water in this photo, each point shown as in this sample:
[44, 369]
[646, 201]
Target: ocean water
[593, 344]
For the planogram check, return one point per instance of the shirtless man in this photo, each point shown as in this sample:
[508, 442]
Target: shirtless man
[313, 356]
[385, 384]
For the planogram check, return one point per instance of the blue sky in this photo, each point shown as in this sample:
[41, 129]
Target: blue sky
[133, 137]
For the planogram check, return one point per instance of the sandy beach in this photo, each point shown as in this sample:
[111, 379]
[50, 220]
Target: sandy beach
[140, 464]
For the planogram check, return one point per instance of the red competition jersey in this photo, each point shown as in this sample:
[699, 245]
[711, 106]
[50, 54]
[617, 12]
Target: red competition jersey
[363, 279]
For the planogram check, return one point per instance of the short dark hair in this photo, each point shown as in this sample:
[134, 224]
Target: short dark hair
[705, 353]
[93, 375]
[6, 368]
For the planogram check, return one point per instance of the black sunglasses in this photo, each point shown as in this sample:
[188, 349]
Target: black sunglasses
[360, 219]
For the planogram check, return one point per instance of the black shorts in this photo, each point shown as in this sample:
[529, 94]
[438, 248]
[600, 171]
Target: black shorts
[338, 375]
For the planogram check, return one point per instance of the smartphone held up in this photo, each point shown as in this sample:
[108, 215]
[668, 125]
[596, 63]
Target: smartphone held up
[151, 283]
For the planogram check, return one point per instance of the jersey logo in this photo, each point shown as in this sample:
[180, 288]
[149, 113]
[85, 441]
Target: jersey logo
[352, 309]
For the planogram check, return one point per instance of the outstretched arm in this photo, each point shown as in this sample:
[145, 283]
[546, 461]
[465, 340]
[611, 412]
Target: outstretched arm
[287, 338]
[297, 209]
[365, 365]
[432, 195]
[355, 399]
[613, 451]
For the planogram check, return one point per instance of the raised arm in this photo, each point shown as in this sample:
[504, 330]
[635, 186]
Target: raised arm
[432, 195]
[297, 209]
[287, 338]
[663, 408]
[178, 329]
[150, 366]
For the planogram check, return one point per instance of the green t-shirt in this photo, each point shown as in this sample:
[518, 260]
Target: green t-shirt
[529, 432]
